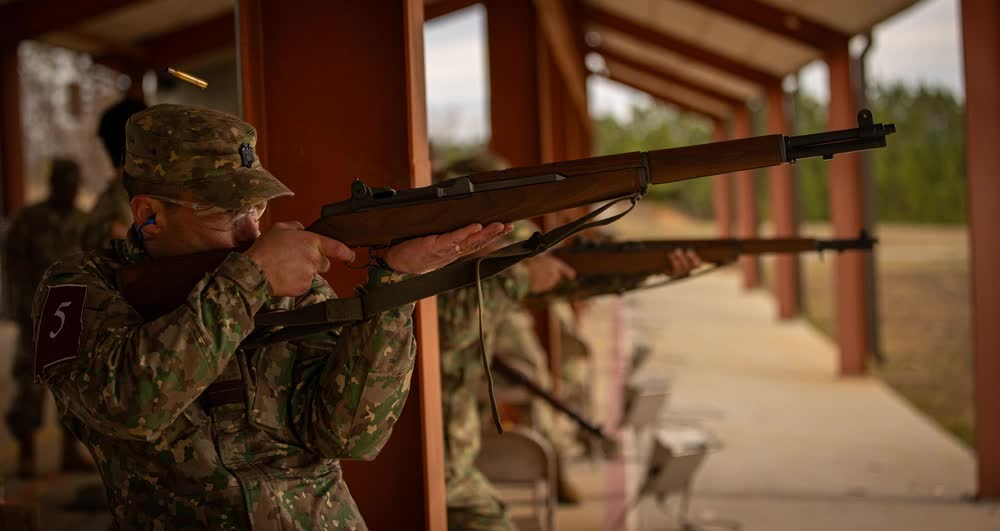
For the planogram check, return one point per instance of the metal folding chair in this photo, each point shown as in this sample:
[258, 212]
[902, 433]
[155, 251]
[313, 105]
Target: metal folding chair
[521, 459]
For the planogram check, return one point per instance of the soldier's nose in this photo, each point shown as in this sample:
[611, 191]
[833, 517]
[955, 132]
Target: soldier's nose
[246, 230]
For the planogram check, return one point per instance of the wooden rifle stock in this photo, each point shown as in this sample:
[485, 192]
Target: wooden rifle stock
[375, 217]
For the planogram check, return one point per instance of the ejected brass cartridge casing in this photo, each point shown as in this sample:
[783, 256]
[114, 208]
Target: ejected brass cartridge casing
[184, 76]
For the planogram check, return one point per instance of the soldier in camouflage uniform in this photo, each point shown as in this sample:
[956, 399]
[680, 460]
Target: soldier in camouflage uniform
[188, 430]
[473, 504]
[40, 234]
[111, 215]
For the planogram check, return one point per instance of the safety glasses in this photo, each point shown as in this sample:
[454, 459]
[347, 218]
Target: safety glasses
[219, 218]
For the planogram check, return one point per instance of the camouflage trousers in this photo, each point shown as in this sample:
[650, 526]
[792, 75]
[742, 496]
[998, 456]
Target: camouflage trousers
[28, 405]
[474, 505]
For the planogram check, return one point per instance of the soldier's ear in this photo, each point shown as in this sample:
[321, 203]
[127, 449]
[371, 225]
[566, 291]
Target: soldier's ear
[144, 207]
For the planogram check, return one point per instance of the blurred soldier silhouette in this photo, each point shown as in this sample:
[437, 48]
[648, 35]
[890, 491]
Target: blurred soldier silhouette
[112, 213]
[39, 235]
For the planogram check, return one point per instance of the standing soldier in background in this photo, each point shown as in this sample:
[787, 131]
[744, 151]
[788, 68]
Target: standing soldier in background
[111, 216]
[39, 235]
[518, 344]
[472, 501]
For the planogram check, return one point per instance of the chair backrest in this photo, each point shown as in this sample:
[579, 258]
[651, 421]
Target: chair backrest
[522, 458]
[675, 458]
[644, 401]
[520, 455]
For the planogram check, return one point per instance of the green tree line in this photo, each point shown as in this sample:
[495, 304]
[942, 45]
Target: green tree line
[919, 178]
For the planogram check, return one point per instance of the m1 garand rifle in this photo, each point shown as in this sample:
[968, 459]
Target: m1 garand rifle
[378, 217]
[616, 267]
[517, 377]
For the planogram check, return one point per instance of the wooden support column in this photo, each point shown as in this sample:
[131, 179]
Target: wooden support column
[355, 111]
[783, 214]
[722, 188]
[552, 131]
[11, 154]
[552, 94]
[746, 202]
[847, 211]
[525, 127]
[981, 42]
[513, 54]
[557, 28]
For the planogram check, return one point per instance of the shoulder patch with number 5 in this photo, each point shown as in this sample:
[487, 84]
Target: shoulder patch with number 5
[60, 326]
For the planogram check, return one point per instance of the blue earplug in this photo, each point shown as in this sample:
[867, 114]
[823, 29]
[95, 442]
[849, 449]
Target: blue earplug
[151, 220]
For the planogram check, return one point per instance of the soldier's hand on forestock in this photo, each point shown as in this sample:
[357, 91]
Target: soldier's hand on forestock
[291, 257]
[546, 272]
[428, 253]
[683, 261]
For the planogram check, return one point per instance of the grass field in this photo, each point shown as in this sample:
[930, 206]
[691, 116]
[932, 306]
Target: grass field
[923, 305]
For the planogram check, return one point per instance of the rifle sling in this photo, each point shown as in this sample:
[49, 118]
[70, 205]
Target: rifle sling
[320, 317]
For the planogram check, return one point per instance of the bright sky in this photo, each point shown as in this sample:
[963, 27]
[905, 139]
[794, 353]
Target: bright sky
[920, 45]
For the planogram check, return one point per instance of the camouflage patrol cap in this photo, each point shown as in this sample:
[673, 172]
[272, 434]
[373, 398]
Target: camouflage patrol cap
[171, 149]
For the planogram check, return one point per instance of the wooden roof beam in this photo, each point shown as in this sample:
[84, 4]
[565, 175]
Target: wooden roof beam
[650, 35]
[666, 98]
[557, 30]
[661, 73]
[440, 8]
[171, 48]
[27, 19]
[210, 35]
[778, 21]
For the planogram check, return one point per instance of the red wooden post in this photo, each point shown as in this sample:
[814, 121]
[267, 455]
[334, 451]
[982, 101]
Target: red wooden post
[722, 199]
[355, 110]
[786, 281]
[746, 203]
[846, 208]
[981, 42]
[552, 96]
[514, 101]
[11, 154]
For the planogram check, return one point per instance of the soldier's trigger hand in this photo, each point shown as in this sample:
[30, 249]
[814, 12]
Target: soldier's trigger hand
[291, 257]
[546, 272]
[428, 253]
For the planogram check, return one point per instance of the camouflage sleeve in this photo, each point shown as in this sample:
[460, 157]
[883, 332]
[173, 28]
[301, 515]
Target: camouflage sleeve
[351, 385]
[458, 310]
[132, 379]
